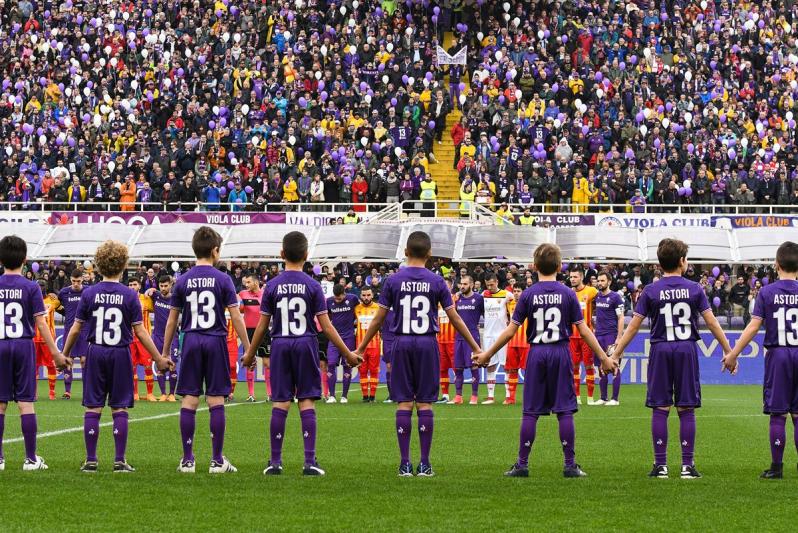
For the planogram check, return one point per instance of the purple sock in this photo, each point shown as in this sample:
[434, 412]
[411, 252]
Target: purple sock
[474, 381]
[426, 425]
[332, 379]
[616, 386]
[172, 382]
[567, 437]
[687, 435]
[529, 425]
[778, 436]
[388, 382]
[29, 430]
[346, 382]
[218, 422]
[120, 434]
[68, 381]
[795, 431]
[91, 434]
[161, 382]
[458, 381]
[2, 430]
[276, 433]
[603, 387]
[188, 421]
[659, 435]
[403, 422]
[308, 418]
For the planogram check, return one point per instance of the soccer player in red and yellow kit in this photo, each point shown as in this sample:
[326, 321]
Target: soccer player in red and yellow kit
[43, 356]
[369, 370]
[250, 309]
[232, 354]
[580, 351]
[138, 354]
[446, 349]
[517, 351]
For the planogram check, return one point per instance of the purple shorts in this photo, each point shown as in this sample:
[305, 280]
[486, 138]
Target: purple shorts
[108, 377]
[673, 376]
[780, 390]
[204, 366]
[334, 357]
[81, 346]
[387, 347]
[463, 352]
[17, 370]
[173, 352]
[549, 380]
[604, 341]
[295, 369]
[415, 368]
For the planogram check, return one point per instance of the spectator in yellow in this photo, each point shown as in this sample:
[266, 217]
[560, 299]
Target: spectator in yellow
[351, 217]
[526, 219]
[467, 149]
[504, 215]
[467, 195]
[486, 190]
[76, 192]
[579, 197]
[290, 190]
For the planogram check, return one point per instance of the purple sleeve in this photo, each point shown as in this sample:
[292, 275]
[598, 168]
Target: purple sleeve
[386, 297]
[229, 294]
[641, 309]
[574, 310]
[759, 307]
[444, 295]
[266, 307]
[701, 301]
[619, 303]
[318, 302]
[82, 314]
[521, 309]
[134, 309]
[178, 300]
[36, 301]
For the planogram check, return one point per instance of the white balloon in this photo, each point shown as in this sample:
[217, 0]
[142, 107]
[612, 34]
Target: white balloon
[215, 110]
[317, 75]
[34, 38]
[506, 6]
[292, 140]
[498, 55]
[540, 32]
[237, 36]
[411, 80]
[87, 263]
[60, 46]
[480, 36]
[187, 52]
[86, 47]
[225, 36]
[355, 4]
[68, 91]
[367, 98]
[78, 99]
[107, 98]
[462, 99]
[688, 117]
[389, 47]
[425, 82]
[599, 93]
[102, 61]
[364, 141]
[97, 121]
[397, 151]
[789, 115]
[167, 82]
[134, 84]
[245, 109]
[175, 266]
[583, 109]
[744, 141]
[42, 139]
[9, 151]
[643, 129]
[517, 22]
[409, 31]
[343, 10]
[86, 91]
[665, 123]
[518, 94]
[385, 79]
[111, 166]
[323, 49]
[167, 55]
[125, 15]
[113, 62]
[145, 53]
[506, 17]
[557, 123]
[107, 50]
[255, 140]
[351, 23]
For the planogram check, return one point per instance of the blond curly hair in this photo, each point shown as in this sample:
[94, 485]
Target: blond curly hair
[111, 258]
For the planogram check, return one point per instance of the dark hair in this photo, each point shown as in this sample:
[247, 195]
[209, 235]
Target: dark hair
[787, 257]
[490, 276]
[577, 270]
[76, 274]
[166, 278]
[13, 251]
[418, 245]
[204, 241]
[366, 288]
[605, 274]
[547, 259]
[295, 246]
[338, 289]
[670, 252]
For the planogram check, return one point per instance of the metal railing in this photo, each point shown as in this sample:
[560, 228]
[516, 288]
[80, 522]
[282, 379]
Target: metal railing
[190, 206]
[682, 209]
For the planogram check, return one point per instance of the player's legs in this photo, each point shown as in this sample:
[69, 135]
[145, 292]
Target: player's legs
[576, 359]
[514, 355]
[687, 398]
[305, 354]
[499, 358]
[189, 386]
[325, 390]
[333, 357]
[160, 377]
[560, 393]
[232, 358]
[145, 360]
[78, 351]
[45, 358]
[590, 376]
[363, 374]
[18, 383]
[217, 389]
[447, 363]
[535, 402]
[374, 375]
[462, 360]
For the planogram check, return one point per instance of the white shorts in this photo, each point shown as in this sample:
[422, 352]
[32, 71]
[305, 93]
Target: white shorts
[500, 357]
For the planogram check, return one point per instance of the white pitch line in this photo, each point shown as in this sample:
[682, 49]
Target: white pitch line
[108, 424]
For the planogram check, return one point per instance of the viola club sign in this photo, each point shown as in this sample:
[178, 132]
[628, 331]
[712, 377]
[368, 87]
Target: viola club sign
[224, 218]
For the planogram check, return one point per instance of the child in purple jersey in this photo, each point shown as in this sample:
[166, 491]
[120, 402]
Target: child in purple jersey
[471, 308]
[112, 314]
[414, 293]
[161, 299]
[21, 312]
[551, 310]
[203, 295]
[672, 306]
[291, 304]
[776, 306]
[387, 348]
[609, 308]
[70, 298]
[341, 309]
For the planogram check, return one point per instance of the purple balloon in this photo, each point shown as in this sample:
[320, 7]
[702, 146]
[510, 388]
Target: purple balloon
[564, 39]
[394, 102]
[302, 102]
[716, 271]
[317, 270]
[585, 130]
[431, 124]
[212, 125]
[35, 267]
[230, 184]
[630, 285]
[765, 280]
[716, 301]
[248, 189]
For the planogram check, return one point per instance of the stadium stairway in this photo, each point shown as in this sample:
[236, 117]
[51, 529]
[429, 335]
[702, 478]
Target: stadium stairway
[443, 172]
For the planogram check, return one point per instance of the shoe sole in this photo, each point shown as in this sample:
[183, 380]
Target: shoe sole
[690, 477]
[425, 475]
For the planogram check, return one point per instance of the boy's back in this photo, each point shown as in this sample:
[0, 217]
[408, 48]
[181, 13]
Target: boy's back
[414, 294]
[109, 310]
[673, 305]
[203, 294]
[777, 306]
[20, 302]
[551, 310]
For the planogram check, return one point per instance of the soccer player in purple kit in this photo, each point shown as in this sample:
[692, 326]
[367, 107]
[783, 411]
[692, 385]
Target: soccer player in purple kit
[609, 308]
[551, 310]
[341, 308]
[161, 299]
[387, 348]
[414, 293]
[776, 306]
[112, 314]
[202, 295]
[672, 305]
[21, 313]
[471, 307]
[290, 303]
[70, 298]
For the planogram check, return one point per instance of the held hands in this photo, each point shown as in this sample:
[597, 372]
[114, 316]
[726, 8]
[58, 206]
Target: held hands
[165, 364]
[248, 361]
[729, 362]
[609, 365]
[354, 359]
[480, 359]
[61, 362]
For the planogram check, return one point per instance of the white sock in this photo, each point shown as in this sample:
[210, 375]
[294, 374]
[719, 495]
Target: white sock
[491, 383]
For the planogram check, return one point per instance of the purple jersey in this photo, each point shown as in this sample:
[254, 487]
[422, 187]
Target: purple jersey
[385, 330]
[414, 293]
[608, 309]
[161, 306]
[20, 302]
[471, 309]
[672, 306]
[69, 299]
[203, 294]
[293, 300]
[342, 315]
[777, 306]
[109, 310]
[550, 309]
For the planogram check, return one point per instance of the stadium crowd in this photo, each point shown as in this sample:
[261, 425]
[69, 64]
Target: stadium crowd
[245, 104]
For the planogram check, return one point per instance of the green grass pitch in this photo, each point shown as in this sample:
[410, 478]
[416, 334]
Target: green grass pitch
[357, 446]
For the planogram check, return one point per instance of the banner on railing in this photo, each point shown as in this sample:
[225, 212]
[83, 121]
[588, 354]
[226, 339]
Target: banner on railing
[459, 57]
[754, 221]
[226, 218]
